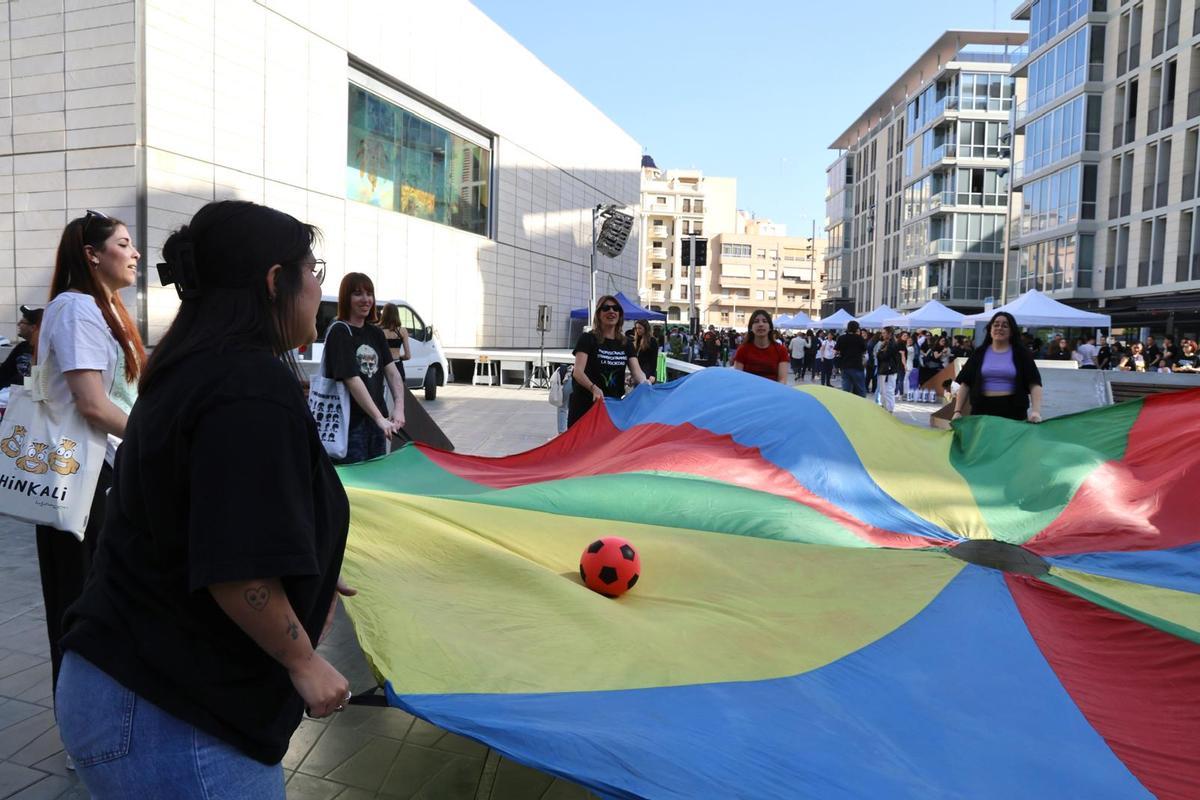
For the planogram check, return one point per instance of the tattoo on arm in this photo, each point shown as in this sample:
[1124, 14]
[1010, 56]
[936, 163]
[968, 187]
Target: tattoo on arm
[257, 597]
[293, 629]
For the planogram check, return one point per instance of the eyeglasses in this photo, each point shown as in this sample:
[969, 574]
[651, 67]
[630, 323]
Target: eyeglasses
[615, 309]
[89, 216]
[318, 270]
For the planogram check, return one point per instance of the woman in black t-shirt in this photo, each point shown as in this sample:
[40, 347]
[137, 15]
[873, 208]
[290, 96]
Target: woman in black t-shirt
[645, 347]
[359, 356]
[190, 656]
[601, 356]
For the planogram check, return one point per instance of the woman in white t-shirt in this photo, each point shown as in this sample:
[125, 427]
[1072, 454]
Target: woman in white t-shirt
[98, 356]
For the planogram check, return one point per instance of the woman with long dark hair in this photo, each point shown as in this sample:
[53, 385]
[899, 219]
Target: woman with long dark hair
[357, 353]
[645, 347]
[189, 658]
[1001, 378]
[97, 354]
[760, 354]
[396, 335]
[601, 357]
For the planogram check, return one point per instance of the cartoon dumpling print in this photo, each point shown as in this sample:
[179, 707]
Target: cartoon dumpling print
[34, 459]
[11, 446]
[62, 458]
[368, 360]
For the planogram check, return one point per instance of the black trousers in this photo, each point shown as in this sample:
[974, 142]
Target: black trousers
[65, 562]
[1009, 406]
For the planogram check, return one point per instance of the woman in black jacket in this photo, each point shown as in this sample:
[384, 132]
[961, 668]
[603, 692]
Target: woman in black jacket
[1001, 378]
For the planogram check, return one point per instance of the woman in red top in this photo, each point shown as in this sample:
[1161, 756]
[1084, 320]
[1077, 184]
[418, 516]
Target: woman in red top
[760, 354]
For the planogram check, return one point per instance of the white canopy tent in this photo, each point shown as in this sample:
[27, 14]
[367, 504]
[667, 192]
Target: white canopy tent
[931, 315]
[794, 321]
[836, 321]
[880, 317]
[1035, 310]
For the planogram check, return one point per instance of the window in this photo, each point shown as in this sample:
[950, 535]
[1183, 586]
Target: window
[687, 205]
[760, 274]
[662, 201]
[770, 295]
[758, 295]
[402, 162]
[1059, 70]
[1048, 18]
[736, 250]
[760, 253]
[772, 275]
[698, 206]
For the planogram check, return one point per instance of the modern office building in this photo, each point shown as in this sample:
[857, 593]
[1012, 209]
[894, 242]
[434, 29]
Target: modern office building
[677, 204]
[435, 152]
[758, 267]
[917, 198]
[1106, 139]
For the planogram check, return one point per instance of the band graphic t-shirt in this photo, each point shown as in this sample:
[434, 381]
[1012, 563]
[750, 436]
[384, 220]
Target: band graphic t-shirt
[358, 352]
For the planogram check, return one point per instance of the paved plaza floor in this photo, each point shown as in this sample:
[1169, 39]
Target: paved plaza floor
[363, 752]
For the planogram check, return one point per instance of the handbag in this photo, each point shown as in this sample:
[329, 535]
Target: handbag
[329, 403]
[52, 456]
[556, 389]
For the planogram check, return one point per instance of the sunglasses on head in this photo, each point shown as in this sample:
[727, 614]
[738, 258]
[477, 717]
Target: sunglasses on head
[617, 309]
[89, 216]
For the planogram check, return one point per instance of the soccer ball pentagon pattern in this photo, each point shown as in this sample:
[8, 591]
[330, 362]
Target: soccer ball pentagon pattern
[610, 566]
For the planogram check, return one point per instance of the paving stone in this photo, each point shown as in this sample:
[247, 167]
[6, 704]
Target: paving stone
[13, 662]
[50, 787]
[302, 742]
[306, 787]
[43, 747]
[454, 743]
[335, 746]
[14, 778]
[517, 782]
[14, 711]
[424, 733]
[565, 790]
[21, 682]
[420, 770]
[16, 737]
[367, 768]
[55, 765]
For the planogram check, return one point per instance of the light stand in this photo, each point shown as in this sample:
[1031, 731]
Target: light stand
[540, 377]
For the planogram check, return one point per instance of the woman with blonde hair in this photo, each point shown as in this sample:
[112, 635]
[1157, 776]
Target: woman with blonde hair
[601, 356]
[97, 355]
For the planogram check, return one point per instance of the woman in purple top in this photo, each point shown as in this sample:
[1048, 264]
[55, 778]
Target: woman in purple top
[1001, 380]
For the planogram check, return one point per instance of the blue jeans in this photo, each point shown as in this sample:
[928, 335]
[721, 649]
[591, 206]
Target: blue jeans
[854, 380]
[364, 440]
[564, 411]
[124, 746]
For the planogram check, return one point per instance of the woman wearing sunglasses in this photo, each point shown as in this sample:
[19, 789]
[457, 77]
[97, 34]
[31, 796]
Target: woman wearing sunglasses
[601, 356]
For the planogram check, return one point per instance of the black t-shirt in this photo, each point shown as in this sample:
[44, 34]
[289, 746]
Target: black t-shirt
[358, 352]
[605, 368]
[221, 477]
[851, 348]
[647, 358]
[16, 367]
[1152, 354]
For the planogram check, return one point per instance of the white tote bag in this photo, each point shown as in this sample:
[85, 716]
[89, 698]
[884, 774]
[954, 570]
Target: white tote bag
[329, 402]
[51, 457]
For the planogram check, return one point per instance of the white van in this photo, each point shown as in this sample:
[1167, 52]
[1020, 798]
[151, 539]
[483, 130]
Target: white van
[428, 367]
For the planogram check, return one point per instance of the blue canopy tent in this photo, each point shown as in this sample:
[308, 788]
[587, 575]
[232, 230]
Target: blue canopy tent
[632, 311]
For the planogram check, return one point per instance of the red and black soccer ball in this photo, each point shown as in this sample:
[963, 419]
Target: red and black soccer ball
[610, 566]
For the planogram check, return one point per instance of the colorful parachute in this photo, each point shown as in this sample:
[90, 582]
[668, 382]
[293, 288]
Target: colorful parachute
[832, 604]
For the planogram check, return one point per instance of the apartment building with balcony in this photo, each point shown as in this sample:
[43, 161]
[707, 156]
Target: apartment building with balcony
[1107, 135]
[757, 268]
[677, 204]
[917, 199]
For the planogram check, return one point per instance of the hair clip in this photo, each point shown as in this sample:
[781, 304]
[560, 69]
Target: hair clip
[181, 272]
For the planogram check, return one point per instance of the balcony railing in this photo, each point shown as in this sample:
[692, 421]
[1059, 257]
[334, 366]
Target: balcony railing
[656, 297]
[658, 274]
[660, 231]
[1152, 121]
[658, 252]
[1168, 114]
[1193, 107]
[942, 152]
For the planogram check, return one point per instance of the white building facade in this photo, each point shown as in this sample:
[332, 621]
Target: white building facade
[456, 170]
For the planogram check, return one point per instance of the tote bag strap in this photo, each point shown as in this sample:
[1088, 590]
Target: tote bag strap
[41, 370]
[325, 349]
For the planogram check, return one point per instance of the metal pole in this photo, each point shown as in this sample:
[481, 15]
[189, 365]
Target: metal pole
[592, 305]
[692, 297]
[775, 261]
[812, 262]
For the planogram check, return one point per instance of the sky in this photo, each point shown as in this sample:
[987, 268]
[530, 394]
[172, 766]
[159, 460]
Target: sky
[756, 92]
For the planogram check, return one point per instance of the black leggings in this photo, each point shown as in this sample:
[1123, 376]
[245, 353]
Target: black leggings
[65, 562]
[1009, 406]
